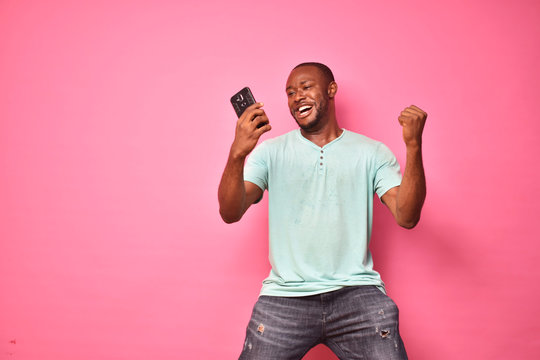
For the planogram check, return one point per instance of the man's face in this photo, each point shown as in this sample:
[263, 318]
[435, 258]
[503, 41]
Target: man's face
[307, 94]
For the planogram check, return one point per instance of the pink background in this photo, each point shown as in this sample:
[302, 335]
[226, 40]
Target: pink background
[115, 125]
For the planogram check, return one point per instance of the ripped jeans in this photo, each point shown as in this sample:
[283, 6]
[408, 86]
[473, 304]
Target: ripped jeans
[356, 322]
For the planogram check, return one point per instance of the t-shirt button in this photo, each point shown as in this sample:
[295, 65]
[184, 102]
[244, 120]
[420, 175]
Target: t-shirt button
[321, 164]
[322, 151]
[321, 157]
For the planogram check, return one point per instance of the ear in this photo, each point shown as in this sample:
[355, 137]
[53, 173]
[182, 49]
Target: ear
[332, 89]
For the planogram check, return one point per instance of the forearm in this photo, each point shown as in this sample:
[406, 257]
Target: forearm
[412, 191]
[231, 191]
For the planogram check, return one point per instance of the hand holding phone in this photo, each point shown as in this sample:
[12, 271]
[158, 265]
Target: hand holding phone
[242, 100]
[252, 122]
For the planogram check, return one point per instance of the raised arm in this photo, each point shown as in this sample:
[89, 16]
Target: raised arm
[406, 201]
[235, 195]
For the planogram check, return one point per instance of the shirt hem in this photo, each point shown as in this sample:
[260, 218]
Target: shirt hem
[299, 293]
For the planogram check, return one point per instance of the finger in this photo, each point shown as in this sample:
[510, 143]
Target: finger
[405, 119]
[251, 108]
[260, 119]
[263, 129]
[412, 111]
[414, 115]
[250, 114]
[255, 106]
[416, 109]
[405, 115]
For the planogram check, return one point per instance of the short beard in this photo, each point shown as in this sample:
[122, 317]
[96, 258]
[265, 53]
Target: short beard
[322, 109]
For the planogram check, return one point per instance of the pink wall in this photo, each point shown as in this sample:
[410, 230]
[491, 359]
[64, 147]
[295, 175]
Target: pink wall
[114, 130]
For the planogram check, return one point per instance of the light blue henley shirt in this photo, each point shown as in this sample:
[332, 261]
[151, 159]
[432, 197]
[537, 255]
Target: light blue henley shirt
[321, 209]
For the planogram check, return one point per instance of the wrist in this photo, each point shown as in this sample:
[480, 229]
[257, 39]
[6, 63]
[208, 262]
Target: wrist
[237, 155]
[414, 145]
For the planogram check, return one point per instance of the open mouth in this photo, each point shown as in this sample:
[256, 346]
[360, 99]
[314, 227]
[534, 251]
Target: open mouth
[304, 111]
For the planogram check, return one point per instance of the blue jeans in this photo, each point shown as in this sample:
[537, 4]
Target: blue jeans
[357, 322]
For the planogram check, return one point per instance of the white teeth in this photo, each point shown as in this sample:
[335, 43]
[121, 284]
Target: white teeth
[303, 108]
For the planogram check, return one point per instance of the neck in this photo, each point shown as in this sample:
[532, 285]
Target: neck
[324, 135]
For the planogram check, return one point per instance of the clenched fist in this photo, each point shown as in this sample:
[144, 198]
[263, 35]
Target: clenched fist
[412, 119]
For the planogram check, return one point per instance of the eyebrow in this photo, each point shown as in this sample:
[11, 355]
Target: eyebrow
[301, 83]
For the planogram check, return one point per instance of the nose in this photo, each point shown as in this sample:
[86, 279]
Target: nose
[299, 95]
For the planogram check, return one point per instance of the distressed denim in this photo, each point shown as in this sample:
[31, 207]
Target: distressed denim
[357, 322]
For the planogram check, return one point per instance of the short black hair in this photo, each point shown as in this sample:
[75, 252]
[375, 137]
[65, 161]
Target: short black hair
[323, 68]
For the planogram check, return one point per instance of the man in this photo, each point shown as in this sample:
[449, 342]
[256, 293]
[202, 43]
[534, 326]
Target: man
[321, 180]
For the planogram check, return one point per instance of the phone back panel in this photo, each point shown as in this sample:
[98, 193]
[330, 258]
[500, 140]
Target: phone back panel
[241, 100]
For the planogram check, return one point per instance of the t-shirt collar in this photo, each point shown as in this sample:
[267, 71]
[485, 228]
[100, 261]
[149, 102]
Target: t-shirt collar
[299, 133]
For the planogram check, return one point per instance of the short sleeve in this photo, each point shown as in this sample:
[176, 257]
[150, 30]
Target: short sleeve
[256, 168]
[388, 174]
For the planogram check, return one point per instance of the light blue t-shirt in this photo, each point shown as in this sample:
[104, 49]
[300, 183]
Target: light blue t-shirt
[321, 209]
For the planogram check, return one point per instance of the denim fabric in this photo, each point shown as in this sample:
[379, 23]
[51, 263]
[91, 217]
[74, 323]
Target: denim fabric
[357, 322]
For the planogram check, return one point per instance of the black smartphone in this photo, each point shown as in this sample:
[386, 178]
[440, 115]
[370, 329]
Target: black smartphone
[241, 100]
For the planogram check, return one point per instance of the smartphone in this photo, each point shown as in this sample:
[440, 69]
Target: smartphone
[241, 100]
